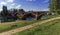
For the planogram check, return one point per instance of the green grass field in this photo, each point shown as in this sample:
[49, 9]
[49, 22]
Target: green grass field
[9, 26]
[19, 23]
[50, 28]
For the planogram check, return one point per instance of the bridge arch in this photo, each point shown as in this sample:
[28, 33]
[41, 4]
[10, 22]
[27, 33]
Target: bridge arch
[40, 16]
[29, 16]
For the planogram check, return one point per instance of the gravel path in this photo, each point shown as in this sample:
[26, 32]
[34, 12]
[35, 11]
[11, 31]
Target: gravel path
[27, 27]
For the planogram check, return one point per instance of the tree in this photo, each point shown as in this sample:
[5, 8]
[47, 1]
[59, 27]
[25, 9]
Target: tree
[21, 10]
[54, 6]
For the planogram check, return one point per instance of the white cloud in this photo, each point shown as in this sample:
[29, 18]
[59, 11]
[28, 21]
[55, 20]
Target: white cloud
[45, 9]
[10, 1]
[30, 0]
[13, 4]
[10, 7]
[18, 6]
[0, 9]
[45, 1]
[3, 3]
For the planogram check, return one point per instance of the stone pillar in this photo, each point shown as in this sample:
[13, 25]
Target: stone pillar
[36, 17]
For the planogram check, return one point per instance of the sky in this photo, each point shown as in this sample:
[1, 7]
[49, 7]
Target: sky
[35, 5]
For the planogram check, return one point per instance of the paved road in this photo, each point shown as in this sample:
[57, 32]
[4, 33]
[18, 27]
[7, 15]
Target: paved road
[27, 27]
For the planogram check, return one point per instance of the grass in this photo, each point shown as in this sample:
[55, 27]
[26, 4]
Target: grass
[47, 17]
[19, 23]
[6, 27]
[50, 28]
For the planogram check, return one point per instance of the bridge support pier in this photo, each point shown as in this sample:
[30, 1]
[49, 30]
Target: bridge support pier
[38, 17]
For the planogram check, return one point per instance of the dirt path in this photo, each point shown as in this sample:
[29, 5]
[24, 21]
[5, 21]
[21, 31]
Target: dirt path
[27, 27]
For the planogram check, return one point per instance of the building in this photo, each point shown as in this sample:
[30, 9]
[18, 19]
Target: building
[5, 11]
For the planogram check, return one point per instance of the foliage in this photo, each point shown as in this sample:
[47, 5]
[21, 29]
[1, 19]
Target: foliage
[54, 6]
[19, 23]
[50, 28]
[10, 26]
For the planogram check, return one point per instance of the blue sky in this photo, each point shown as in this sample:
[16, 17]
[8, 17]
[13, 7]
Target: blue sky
[36, 5]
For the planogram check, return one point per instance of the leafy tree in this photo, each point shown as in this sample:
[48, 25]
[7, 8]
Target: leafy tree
[54, 6]
[21, 10]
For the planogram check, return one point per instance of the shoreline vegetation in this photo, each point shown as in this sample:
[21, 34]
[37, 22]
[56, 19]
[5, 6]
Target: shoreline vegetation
[50, 28]
[19, 23]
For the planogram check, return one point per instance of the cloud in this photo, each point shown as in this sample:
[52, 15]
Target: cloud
[18, 6]
[45, 9]
[11, 1]
[0, 9]
[10, 7]
[13, 4]
[3, 3]
[45, 1]
[30, 0]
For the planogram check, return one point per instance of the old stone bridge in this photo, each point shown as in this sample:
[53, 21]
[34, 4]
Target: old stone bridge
[35, 15]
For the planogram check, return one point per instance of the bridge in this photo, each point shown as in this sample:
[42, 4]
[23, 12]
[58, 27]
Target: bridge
[35, 15]
[20, 14]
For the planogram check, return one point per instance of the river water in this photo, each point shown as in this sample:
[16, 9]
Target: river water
[30, 18]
